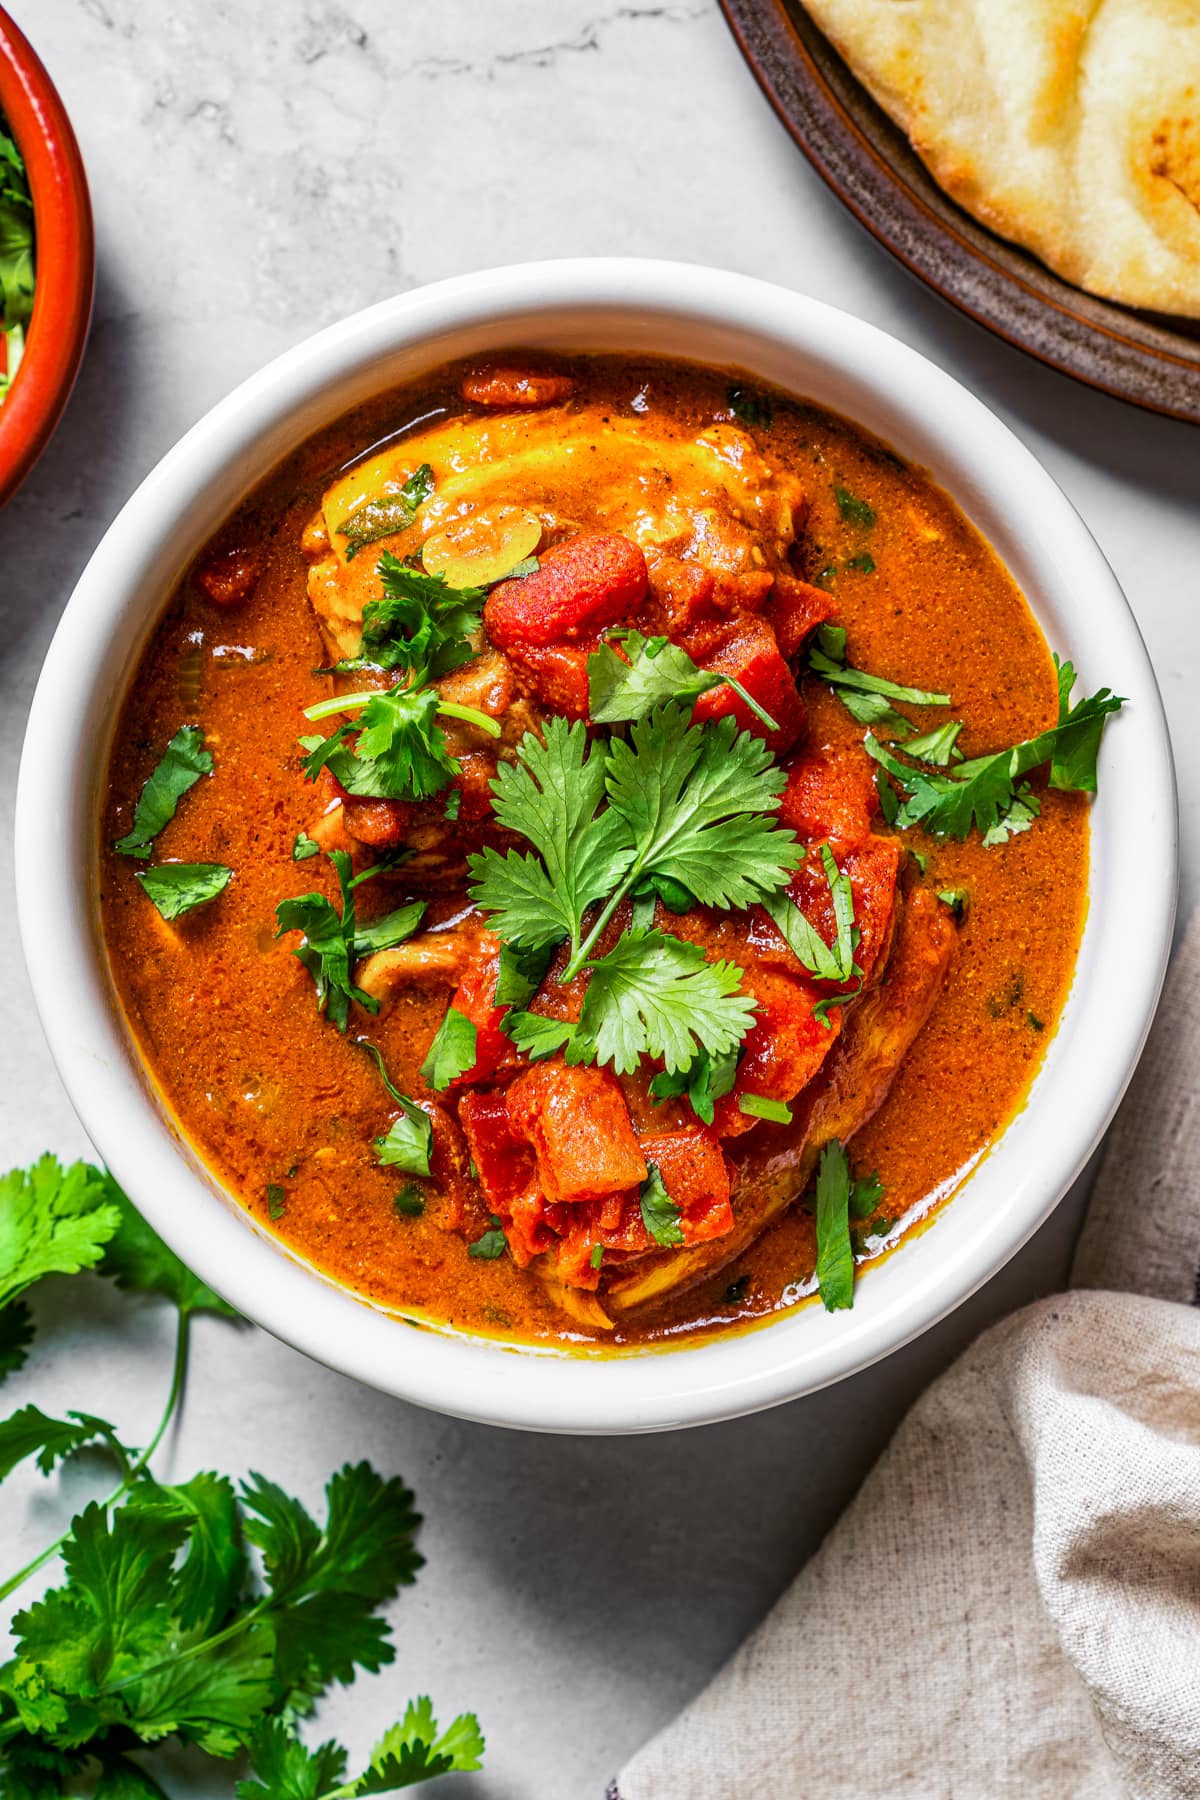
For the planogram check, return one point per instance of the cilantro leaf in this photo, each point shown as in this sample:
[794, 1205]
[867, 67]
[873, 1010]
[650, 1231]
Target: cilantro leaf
[399, 737]
[521, 974]
[414, 1751]
[866, 1192]
[303, 847]
[390, 929]
[325, 1584]
[750, 406]
[697, 802]
[827, 962]
[835, 1256]
[550, 796]
[649, 673]
[286, 1769]
[111, 1617]
[655, 995]
[452, 1052]
[866, 698]
[407, 1144]
[121, 1779]
[30, 1431]
[16, 255]
[537, 1037]
[386, 514]
[211, 1575]
[853, 510]
[705, 1081]
[53, 1221]
[176, 888]
[660, 1215]
[938, 747]
[182, 764]
[136, 1258]
[492, 1244]
[16, 1335]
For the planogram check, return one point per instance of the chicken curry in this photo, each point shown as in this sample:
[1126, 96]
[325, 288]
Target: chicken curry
[595, 850]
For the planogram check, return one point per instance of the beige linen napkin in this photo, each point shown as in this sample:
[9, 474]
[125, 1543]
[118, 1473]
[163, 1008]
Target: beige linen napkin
[1011, 1605]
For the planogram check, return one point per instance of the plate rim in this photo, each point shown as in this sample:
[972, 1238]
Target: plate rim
[762, 27]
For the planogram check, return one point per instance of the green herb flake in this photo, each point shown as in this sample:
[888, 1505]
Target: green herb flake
[276, 1200]
[492, 1244]
[855, 511]
[387, 514]
[957, 899]
[303, 847]
[660, 1215]
[177, 888]
[597, 1256]
[180, 767]
[410, 1201]
[862, 564]
[1035, 1023]
[736, 1292]
[750, 407]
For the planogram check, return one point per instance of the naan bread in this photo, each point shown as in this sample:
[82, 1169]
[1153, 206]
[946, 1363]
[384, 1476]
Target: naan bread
[1070, 126]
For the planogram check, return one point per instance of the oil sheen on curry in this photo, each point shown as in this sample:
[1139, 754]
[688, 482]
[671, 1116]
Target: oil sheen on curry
[595, 851]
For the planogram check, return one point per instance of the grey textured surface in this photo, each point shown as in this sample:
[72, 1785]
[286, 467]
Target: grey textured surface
[259, 169]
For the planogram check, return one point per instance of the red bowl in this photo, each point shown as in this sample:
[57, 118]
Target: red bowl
[64, 252]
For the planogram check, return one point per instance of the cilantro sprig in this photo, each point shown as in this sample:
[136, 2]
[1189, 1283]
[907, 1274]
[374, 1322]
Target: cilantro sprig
[419, 624]
[867, 698]
[332, 941]
[989, 793]
[16, 256]
[202, 1612]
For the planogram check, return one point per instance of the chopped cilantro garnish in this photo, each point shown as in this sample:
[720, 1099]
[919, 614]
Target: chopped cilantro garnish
[1035, 1023]
[736, 1292]
[827, 962]
[176, 888]
[957, 899]
[706, 1080]
[660, 1215]
[182, 764]
[840, 1198]
[419, 624]
[988, 793]
[407, 1144]
[758, 1106]
[452, 1052]
[304, 847]
[853, 510]
[750, 406]
[862, 564]
[866, 698]
[939, 747]
[333, 941]
[520, 975]
[410, 1201]
[386, 514]
[597, 1256]
[650, 672]
[276, 1200]
[492, 1244]
[453, 805]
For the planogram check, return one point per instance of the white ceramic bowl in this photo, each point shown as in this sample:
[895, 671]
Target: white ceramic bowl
[801, 346]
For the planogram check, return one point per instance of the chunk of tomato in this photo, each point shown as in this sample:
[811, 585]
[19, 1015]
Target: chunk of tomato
[578, 1123]
[748, 650]
[582, 585]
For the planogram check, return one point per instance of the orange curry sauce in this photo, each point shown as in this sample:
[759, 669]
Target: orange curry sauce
[285, 1109]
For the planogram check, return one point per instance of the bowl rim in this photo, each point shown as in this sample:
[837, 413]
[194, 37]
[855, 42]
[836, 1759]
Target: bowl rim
[615, 302]
[65, 251]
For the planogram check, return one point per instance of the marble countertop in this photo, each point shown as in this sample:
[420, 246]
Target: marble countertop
[257, 172]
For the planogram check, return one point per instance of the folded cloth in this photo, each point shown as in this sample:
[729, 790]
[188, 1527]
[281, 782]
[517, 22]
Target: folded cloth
[1011, 1605]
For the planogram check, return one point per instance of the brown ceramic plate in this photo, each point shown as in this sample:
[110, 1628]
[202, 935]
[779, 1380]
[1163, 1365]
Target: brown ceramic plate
[1148, 358]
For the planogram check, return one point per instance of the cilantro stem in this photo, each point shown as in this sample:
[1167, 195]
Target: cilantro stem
[744, 694]
[133, 1469]
[589, 943]
[471, 715]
